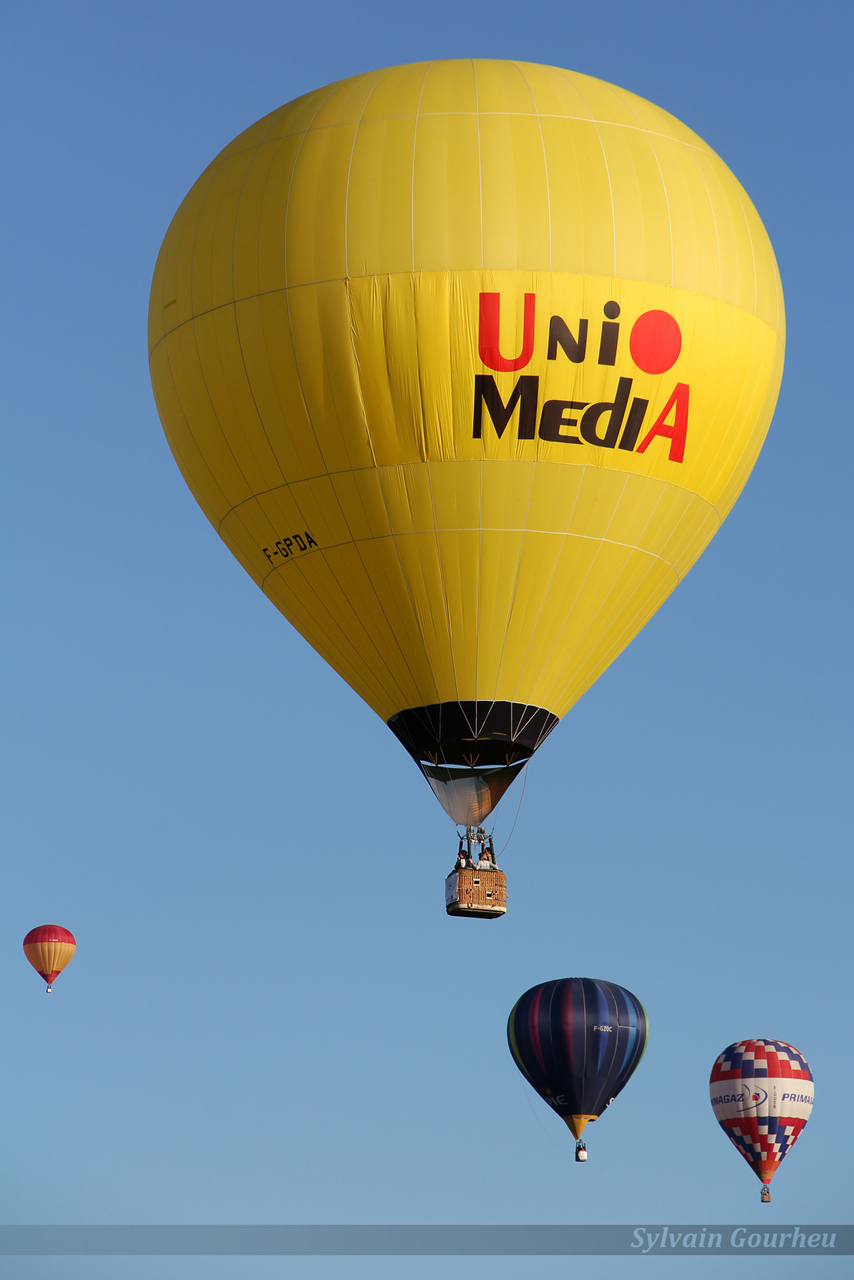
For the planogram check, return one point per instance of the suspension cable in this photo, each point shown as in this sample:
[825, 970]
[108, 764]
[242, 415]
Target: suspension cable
[518, 811]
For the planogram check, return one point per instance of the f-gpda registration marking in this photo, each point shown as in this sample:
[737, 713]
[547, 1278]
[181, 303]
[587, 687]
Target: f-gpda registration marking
[287, 548]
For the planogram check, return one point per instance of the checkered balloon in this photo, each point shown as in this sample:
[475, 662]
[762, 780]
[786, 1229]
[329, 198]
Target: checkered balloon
[762, 1096]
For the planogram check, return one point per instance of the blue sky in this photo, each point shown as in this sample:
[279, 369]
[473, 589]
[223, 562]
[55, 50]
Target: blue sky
[270, 1018]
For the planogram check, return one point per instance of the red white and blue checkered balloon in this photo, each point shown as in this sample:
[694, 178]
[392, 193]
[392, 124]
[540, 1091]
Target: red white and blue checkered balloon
[762, 1096]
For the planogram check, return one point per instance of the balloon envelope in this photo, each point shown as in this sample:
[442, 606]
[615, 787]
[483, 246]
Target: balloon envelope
[577, 1042]
[762, 1095]
[466, 362]
[49, 948]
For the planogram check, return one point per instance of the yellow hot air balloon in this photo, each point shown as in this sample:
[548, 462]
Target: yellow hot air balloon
[466, 361]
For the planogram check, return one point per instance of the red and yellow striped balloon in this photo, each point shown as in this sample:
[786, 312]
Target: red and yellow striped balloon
[49, 948]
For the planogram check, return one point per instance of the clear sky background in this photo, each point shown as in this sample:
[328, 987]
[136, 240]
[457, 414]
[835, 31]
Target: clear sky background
[269, 1017]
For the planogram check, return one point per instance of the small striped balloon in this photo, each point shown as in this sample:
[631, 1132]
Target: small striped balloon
[49, 948]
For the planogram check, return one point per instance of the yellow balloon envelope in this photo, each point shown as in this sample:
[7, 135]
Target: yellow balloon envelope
[466, 362]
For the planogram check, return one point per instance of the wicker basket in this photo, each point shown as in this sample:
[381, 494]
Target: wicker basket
[476, 893]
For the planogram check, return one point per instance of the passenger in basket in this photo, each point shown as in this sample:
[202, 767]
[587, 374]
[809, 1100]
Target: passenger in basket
[484, 862]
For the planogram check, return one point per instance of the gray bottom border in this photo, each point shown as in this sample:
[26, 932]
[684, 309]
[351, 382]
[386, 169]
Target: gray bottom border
[689, 1240]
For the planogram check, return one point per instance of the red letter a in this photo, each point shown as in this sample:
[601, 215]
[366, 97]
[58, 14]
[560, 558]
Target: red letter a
[675, 431]
[487, 343]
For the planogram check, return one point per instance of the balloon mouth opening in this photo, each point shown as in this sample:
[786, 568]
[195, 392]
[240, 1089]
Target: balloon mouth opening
[576, 1124]
[471, 752]
[469, 794]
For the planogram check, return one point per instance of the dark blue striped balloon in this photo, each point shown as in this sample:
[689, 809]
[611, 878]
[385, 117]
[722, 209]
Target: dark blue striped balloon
[577, 1042]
